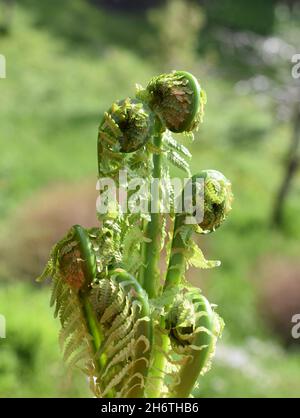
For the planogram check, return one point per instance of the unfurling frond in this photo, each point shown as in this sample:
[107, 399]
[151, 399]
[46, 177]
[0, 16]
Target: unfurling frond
[127, 126]
[106, 328]
[217, 198]
[193, 329]
[177, 99]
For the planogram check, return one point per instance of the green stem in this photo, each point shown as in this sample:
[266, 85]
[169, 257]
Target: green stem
[96, 333]
[176, 267]
[150, 275]
[199, 358]
[93, 328]
[175, 272]
[158, 367]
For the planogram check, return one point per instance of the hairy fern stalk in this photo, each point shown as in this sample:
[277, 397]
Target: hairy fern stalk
[134, 331]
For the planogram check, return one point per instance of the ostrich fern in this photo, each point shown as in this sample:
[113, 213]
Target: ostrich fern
[132, 331]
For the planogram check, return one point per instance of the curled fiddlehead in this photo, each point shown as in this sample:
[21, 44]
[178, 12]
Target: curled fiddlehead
[124, 130]
[194, 328]
[217, 198]
[178, 99]
[181, 323]
[127, 126]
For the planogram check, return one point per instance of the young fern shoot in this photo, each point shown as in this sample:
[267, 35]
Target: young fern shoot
[134, 331]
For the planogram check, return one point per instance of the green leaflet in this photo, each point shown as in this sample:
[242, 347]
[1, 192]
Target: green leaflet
[171, 143]
[132, 258]
[178, 161]
[198, 260]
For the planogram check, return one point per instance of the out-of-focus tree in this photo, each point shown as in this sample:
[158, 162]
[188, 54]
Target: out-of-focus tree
[268, 62]
[291, 166]
[243, 15]
[176, 28]
[284, 90]
[254, 15]
[127, 6]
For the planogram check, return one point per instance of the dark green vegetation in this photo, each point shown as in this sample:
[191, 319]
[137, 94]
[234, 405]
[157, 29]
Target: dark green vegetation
[63, 66]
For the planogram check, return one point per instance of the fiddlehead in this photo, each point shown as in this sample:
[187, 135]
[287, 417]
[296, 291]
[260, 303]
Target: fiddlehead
[217, 198]
[194, 329]
[178, 100]
[127, 126]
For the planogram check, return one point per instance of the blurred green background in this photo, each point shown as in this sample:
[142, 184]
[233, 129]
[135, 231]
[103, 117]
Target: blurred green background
[66, 62]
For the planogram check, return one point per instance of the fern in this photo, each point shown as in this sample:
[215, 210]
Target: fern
[134, 331]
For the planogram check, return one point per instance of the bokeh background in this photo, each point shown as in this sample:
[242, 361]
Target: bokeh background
[67, 60]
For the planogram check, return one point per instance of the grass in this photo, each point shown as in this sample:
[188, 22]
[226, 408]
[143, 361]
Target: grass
[57, 86]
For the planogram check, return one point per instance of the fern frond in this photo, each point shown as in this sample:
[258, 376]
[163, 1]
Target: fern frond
[178, 161]
[171, 144]
[122, 309]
